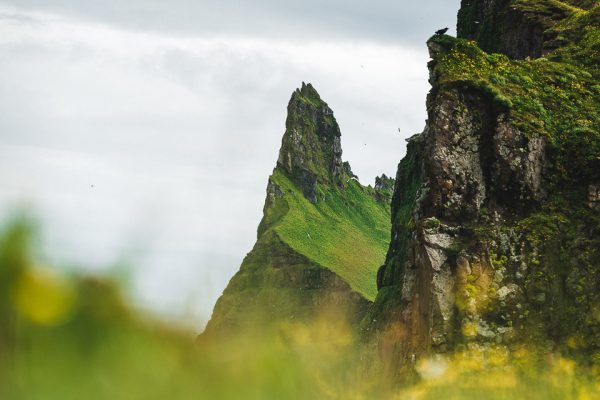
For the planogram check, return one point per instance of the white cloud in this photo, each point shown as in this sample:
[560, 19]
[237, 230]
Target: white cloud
[398, 21]
[178, 136]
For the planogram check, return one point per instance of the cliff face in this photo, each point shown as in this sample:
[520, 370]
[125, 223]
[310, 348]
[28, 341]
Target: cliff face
[517, 28]
[495, 222]
[322, 237]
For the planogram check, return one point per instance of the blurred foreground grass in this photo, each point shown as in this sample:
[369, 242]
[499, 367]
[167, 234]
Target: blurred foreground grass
[69, 337]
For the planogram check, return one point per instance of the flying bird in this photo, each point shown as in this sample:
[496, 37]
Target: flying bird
[441, 31]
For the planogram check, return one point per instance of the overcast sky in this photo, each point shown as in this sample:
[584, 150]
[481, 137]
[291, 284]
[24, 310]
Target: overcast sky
[142, 132]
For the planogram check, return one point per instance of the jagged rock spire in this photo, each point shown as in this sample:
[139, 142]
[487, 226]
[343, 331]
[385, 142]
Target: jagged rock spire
[311, 149]
[296, 271]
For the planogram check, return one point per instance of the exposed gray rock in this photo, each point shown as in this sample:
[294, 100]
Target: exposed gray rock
[594, 197]
[519, 163]
[505, 291]
[311, 150]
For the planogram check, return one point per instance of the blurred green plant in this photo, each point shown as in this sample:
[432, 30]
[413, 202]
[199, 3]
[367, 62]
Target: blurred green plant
[74, 337]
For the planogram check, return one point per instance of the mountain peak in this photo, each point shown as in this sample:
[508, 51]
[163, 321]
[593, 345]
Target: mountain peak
[296, 269]
[307, 93]
[311, 150]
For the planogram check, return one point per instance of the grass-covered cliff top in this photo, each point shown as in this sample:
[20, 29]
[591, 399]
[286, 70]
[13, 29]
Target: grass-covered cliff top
[578, 37]
[346, 231]
[522, 28]
[557, 96]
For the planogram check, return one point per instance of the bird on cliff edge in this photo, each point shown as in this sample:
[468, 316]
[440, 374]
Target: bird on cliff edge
[441, 31]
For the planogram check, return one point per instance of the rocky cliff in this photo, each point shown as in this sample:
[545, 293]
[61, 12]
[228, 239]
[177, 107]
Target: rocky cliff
[518, 28]
[495, 216]
[322, 237]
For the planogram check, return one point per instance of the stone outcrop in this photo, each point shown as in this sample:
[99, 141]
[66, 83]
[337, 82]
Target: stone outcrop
[464, 162]
[311, 149]
[494, 238]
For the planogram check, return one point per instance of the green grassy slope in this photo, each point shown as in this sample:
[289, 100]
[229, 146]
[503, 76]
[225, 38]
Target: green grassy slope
[309, 258]
[347, 231]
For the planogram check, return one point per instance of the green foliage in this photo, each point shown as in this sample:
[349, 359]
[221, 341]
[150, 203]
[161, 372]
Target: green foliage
[552, 10]
[580, 39]
[542, 227]
[104, 350]
[432, 223]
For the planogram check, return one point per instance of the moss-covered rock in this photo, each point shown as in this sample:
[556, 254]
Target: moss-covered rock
[311, 150]
[517, 28]
[384, 188]
[495, 234]
[322, 237]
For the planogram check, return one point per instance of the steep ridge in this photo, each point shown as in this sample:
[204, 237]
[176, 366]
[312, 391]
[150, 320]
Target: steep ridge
[322, 237]
[496, 208]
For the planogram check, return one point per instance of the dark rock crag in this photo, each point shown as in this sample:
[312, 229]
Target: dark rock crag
[495, 240]
[311, 150]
